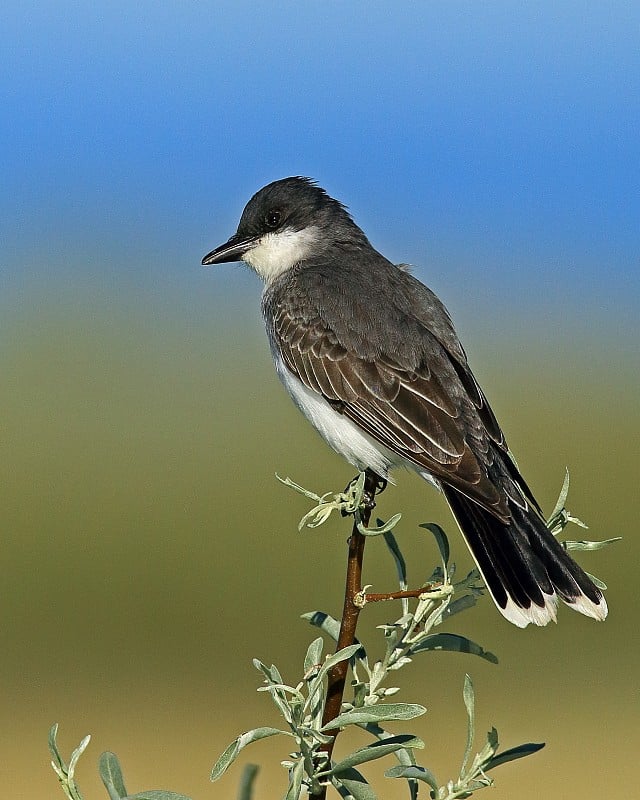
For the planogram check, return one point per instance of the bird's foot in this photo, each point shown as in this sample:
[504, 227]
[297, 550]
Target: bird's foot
[373, 484]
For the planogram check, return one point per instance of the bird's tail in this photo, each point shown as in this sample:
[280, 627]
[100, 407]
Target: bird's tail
[523, 565]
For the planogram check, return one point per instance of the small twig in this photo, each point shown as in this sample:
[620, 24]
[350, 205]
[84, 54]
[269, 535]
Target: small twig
[363, 598]
[351, 610]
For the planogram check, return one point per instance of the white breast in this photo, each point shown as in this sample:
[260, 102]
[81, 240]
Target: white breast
[338, 431]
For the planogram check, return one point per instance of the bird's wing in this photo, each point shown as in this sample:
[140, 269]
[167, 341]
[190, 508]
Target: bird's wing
[432, 414]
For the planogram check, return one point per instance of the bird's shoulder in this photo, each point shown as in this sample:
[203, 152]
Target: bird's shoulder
[368, 306]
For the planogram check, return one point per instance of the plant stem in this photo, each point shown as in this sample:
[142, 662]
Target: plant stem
[369, 597]
[350, 612]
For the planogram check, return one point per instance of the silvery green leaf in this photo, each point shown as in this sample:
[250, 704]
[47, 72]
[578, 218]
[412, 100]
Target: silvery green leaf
[324, 621]
[492, 739]
[296, 774]
[377, 673]
[283, 705]
[587, 545]
[441, 539]
[300, 489]
[562, 498]
[513, 753]
[342, 655]
[480, 760]
[461, 604]
[377, 713]
[469, 701]
[600, 584]
[405, 757]
[75, 756]
[351, 785]
[53, 747]
[360, 692]
[453, 643]
[282, 688]
[157, 794]
[413, 773]
[314, 655]
[436, 577]
[377, 750]
[313, 733]
[231, 753]
[401, 566]
[247, 779]
[111, 774]
[382, 528]
[331, 626]
[398, 663]
[271, 673]
[316, 684]
[388, 628]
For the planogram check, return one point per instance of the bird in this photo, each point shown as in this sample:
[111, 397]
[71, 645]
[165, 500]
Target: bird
[370, 355]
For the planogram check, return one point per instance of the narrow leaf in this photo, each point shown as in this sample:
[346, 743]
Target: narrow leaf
[157, 794]
[413, 773]
[272, 674]
[377, 713]
[401, 566]
[461, 604]
[441, 539]
[314, 655]
[562, 498]
[351, 785]
[324, 621]
[342, 655]
[454, 643]
[330, 626]
[296, 774]
[600, 584]
[377, 750]
[587, 545]
[469, 701]
[405, 757]
[514, 753]
[383, 527]
[53, 747]
[75, 756]
[111, 774]
[231, 753]
[247, 779]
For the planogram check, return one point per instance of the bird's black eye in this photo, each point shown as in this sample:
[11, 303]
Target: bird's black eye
[272, 219]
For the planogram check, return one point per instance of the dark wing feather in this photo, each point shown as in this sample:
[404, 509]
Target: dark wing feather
[431, 413]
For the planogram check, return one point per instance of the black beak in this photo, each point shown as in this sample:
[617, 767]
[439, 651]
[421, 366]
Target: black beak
[233, 250]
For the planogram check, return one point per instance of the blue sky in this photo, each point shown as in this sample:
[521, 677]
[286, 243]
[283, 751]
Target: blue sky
[494, 145]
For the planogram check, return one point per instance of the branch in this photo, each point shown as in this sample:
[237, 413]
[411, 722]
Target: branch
[351, 610]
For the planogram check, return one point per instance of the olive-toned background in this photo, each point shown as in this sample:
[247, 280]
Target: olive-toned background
[148, 554]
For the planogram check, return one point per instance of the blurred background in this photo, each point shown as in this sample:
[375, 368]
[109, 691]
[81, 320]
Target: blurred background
[148, 554]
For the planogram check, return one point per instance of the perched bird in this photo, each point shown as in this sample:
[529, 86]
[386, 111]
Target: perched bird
[370, 355]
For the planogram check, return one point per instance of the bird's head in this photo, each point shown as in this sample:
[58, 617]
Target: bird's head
[285, 223]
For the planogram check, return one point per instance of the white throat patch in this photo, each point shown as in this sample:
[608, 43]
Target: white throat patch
[275, 253]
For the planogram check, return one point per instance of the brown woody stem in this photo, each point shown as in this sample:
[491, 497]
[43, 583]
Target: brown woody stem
[338, 675]
[373, 597]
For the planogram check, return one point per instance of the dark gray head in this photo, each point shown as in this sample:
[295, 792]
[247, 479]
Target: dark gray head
[285, 223]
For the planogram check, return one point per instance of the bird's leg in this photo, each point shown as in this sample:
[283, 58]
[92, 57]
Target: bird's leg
[373, 484]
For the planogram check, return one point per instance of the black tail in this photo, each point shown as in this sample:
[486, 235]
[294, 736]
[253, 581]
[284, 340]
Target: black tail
[523, 565]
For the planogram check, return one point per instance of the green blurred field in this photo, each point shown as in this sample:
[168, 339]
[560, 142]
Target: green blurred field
[149, 554]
